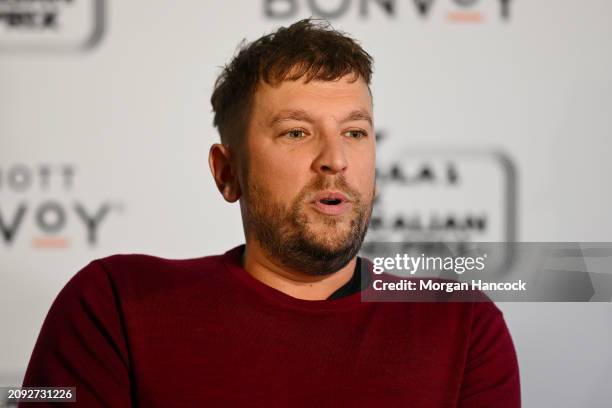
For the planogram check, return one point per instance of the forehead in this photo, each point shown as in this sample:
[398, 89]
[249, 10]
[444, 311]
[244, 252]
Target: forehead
[316, 96]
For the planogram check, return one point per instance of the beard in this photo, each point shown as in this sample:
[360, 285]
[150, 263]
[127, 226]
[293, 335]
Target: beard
[288, 234]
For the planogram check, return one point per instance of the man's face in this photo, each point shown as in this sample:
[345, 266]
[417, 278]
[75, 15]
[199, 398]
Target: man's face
[309, 179]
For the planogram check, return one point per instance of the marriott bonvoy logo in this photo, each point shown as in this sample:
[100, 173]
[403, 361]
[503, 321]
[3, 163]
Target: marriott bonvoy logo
[39, 206]
[458, 11]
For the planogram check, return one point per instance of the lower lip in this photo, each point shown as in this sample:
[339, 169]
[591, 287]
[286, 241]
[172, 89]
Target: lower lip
[332, 209]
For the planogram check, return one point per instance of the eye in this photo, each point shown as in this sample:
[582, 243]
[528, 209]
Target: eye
[295, 134]
[356, 133]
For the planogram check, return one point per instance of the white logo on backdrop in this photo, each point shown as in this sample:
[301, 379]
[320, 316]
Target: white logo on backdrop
[444, 196]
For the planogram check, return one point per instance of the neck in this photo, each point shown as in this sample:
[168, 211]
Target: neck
[258, 264]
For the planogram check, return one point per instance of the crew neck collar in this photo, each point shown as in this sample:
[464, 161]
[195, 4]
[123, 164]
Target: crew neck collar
[232, 259]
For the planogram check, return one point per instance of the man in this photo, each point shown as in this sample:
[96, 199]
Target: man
[278, 321]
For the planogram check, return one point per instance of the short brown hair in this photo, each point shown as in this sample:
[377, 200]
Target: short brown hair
[308, 47]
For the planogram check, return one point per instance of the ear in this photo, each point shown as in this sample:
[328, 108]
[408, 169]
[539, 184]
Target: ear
[220, 162]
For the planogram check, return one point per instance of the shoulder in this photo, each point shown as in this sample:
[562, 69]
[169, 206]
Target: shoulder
[132, 276]
[443, 300]
[140, 265]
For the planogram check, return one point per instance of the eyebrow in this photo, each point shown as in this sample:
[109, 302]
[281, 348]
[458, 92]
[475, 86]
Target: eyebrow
[302, 115]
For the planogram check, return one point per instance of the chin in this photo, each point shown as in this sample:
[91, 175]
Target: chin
[330, 241]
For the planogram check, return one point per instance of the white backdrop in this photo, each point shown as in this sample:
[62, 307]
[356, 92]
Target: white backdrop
[105, 116]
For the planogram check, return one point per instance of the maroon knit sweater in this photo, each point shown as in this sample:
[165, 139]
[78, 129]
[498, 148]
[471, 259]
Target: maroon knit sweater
[137, 330]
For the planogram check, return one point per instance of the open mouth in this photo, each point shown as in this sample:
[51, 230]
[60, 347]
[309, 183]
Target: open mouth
[331, 203]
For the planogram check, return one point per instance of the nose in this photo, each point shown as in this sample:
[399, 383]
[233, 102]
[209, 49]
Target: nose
[331, 155]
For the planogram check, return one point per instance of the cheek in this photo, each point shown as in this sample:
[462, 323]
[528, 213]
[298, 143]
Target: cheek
[366, 184]
[283, 176]
[365, 171]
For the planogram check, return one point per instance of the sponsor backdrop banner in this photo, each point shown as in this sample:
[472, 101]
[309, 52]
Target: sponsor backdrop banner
[492, 121]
